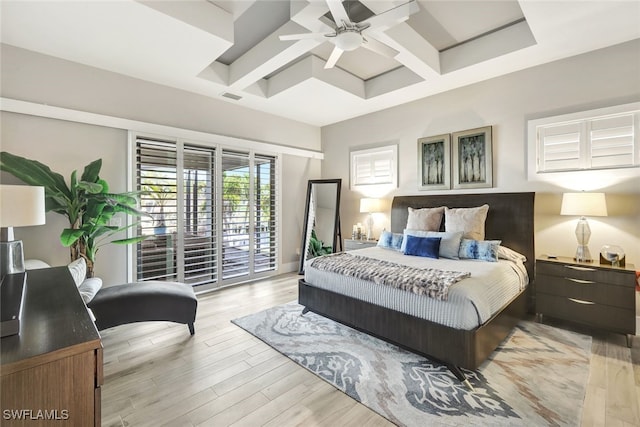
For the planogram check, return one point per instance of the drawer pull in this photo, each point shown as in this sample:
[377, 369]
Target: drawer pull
[582, 282]
[579, 301]
[573, 267]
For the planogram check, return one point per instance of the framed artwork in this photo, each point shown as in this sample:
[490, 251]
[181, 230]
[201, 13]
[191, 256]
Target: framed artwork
[472, 158]
[434, 162]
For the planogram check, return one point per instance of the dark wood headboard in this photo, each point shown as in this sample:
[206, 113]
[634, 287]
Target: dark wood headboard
[510, 217]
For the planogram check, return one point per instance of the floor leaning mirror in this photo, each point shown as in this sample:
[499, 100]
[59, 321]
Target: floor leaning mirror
[321, 233]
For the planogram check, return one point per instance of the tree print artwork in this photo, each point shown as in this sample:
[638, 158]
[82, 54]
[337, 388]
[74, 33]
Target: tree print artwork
[433, 163]
[472, 158]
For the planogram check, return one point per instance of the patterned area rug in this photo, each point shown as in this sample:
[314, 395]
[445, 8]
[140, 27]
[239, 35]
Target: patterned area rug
[537, 377]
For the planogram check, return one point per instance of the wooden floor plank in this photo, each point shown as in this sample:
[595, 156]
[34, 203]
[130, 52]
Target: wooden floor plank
[157, 374]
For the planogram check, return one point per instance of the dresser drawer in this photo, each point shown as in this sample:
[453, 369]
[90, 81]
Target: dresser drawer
[581, 272]
[587, 290]
[601, 316]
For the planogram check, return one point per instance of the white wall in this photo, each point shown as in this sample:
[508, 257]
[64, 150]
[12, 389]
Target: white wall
[598, 79]
[65, 146]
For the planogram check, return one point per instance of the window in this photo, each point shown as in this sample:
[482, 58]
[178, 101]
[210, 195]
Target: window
[212, 212]
[599, 139]
[375, 166]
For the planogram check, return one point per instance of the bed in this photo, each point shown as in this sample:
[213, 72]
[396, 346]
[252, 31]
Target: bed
[509, 219]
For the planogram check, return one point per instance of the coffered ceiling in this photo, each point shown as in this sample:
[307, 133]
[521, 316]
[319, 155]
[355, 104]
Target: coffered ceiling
[231, 50]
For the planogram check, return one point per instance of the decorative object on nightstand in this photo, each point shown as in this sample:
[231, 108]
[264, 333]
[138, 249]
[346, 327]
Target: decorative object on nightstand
[583, 205]
[593, 294]
[612, 255]
[370, 206]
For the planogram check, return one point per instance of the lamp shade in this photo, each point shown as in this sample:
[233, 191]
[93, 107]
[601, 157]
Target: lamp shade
[584, 204]
[21, 205]
[370, 205]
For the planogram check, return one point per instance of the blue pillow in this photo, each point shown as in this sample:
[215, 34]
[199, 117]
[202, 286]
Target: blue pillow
[422, 246]
[390, 240]
[485, 250]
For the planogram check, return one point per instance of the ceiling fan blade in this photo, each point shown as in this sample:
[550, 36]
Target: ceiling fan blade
[303, 36]
[338, 12]
[378, 47]
[393, 16]
[333, 58]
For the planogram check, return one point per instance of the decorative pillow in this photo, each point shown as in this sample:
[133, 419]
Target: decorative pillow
[422, 246]
[450, 244]
[468, 220]
[506, 253]
[89, 288]
[390, 240]
[78, 269]
[426, 219]
[485, 250]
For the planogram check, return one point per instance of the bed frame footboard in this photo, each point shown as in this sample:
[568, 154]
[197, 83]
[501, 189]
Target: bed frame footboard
[457, 347]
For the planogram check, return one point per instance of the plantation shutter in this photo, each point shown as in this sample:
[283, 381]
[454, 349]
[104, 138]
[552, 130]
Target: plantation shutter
[156, 177]
[199, 232]
[601, 142]
[236, 214]
[374, 166]
[266, 202]
[561, 147]
[612, 141]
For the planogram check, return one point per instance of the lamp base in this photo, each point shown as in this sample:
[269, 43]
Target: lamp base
[583, 254]
[11, 258]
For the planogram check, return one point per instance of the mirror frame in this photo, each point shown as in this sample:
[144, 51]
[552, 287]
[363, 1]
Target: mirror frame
[336, 221]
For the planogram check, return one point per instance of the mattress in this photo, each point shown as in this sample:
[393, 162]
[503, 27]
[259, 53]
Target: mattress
[470, 303]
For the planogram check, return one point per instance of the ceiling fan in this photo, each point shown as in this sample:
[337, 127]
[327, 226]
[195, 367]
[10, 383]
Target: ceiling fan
[349, 35]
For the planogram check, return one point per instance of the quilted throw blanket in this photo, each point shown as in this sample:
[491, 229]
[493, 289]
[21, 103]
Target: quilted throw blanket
[428, 281]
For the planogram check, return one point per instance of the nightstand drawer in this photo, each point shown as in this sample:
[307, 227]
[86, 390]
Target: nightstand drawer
[584, 272]
[600, 316]
[601, 293]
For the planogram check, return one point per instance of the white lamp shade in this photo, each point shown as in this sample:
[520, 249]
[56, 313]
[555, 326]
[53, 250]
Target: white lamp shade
[348, 40]
[584, 204]
[370, 205]
[21, 205]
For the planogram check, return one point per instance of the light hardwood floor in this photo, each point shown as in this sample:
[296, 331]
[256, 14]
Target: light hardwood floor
[156, 374]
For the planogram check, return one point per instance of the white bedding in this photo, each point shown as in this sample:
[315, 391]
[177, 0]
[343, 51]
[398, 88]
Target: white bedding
[471, 302]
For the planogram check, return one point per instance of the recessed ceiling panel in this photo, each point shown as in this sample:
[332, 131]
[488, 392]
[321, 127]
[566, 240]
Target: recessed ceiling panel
[447, 23]
[255, 24]
[361, 62]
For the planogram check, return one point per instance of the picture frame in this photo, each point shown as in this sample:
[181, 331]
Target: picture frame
[472, 158]
[434, 162]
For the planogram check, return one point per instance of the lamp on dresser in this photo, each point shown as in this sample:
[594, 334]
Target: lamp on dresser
[583, 205]
[20, 206]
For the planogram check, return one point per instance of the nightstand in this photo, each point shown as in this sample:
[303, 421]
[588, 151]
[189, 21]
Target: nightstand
[351, 244]
[592, 294]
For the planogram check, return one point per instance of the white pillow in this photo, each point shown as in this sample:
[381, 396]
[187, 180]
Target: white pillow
[426, 219]
[78, 269]
[468, 220]
[449, 243]
[89, 288]
[506, 253]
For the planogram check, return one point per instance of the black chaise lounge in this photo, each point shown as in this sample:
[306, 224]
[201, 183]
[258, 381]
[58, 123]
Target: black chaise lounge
[144, 301]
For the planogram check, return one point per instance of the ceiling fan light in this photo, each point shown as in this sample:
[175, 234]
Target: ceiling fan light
[348, 40]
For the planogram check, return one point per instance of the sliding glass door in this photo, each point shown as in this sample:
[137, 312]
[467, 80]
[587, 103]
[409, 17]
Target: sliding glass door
[212, 213]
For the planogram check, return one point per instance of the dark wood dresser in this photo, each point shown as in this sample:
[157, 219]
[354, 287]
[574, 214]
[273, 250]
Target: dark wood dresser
[593, 294]
[51, 372]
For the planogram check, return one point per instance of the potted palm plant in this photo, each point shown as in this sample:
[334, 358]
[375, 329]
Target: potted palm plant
[86, 202]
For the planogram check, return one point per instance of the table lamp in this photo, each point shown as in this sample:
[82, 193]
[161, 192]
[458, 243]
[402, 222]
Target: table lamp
[20, 206]
[583, 205]
[370, 206]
